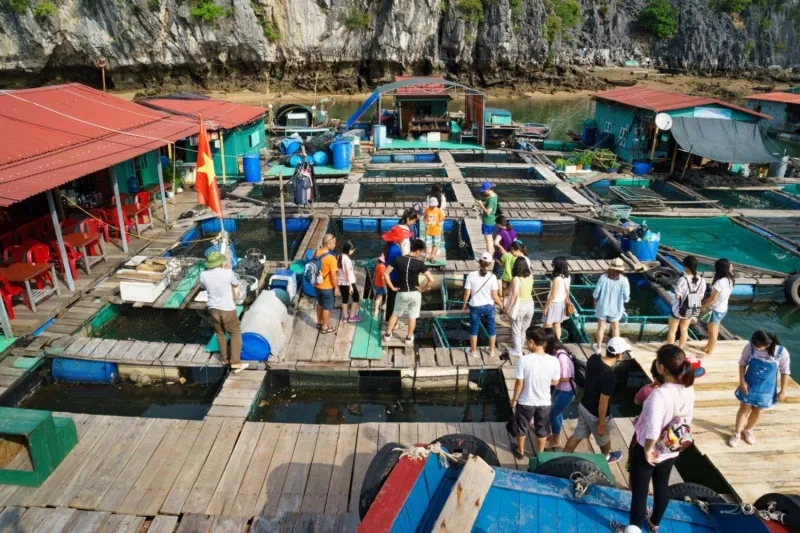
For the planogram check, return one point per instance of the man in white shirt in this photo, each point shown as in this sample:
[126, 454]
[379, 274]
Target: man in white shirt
[536, 372]
[219, 283]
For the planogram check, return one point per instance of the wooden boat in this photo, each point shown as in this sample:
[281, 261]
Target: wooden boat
[534, 130]
[621, 83]
[423, 494]
[499, 126]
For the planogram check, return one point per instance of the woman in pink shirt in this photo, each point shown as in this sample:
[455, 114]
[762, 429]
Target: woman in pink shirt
[675, 398]
[564, 392]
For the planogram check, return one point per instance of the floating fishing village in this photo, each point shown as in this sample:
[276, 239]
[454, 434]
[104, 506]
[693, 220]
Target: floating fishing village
[423, 313]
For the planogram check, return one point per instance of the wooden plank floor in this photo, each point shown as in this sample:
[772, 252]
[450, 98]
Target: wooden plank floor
[771, 464]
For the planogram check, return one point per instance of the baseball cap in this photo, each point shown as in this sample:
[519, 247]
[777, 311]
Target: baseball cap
[487, 257]
[618, 345]
[485, 186]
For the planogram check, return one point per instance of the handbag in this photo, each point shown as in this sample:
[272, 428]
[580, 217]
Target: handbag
[705, 317]
[569, 309]
[676, 437]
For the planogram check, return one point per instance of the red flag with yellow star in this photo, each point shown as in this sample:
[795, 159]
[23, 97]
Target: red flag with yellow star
[206, 183]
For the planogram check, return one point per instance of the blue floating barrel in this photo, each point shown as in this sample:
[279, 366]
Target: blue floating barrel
[662, 306]
[295, 160]
[255, 347]
[133, 185]
[320, 158]
[404, 158]
[528, 227]
[212, 225]
[642, 168]
[165, 161]
[290, 146]
[381, 159]
[341, 154]
[252, 168]
[644, 250]
[425, 158]
[293, 224]
[75, 371]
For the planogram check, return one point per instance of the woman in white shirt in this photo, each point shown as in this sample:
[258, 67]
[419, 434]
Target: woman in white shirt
[651, 455]
[480, 295]
[346, 278]
[555, 310]
[721, 289]
[689, 293]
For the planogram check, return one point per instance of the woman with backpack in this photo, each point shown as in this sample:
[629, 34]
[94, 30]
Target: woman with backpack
[564, 392]
[661, 433]
[610, 296]
[689, 293]
[763, 358]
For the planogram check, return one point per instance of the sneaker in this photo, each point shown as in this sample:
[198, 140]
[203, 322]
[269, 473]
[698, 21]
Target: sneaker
[238, 368]
[613, 457]
[596, 348]
[748, 437]
[409, 341]
[733, 442]
[387, 337]
[355, 319]
[469, 352]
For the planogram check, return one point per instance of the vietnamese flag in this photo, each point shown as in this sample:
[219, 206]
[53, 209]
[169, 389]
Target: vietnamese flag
[206, 183]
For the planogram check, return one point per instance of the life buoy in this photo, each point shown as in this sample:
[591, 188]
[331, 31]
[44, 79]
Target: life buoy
[461, 443]
[694, 492]
[791, 289]
[566, 465]
[377, 473]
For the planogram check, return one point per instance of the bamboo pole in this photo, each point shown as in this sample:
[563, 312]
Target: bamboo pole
[655, 140]
[674, 158]
[222, 155]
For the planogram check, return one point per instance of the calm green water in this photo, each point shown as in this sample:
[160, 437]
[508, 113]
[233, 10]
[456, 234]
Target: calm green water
[311, 399]
[403, 192]
[523, 193]
[782, 319]
[250, 233]
[742, 199]
[407, 173]
[582, 244]
[327, 193]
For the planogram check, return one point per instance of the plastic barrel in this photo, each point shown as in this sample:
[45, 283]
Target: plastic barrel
[295, 160]
[252, 168]
[320, 158]
[75, 371]
[589, 133]
[290, 146]
[255, 347]
[378, 136]
[381, 159]
[212, 225]
[341, 154]
[165, 161]
[133, 185]
[642, 168]
[643, 250]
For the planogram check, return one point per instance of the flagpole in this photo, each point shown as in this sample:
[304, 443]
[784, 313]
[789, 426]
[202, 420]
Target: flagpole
[283, 221]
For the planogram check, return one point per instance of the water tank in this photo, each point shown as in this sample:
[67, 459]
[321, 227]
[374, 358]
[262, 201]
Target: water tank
[589, 133]
[379, 136]
[133, 185]
[213, 225]
[320, 158]
[643, 250]
[77, 371]
[252, 168]
[341, 154]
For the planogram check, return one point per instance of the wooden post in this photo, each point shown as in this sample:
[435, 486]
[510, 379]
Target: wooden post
[686, 165]
[222, 155]
[123, 234]
[163, 191]
[60, 238]
[674, 158]
[655, 140]
[283, 222]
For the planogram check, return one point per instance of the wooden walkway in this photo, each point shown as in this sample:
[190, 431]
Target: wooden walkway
[771, 465]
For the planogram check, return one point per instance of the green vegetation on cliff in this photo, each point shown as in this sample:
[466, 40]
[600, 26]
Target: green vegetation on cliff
[659, 18]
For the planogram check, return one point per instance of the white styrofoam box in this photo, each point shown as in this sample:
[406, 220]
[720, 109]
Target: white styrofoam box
[141, 291]
[434, 137]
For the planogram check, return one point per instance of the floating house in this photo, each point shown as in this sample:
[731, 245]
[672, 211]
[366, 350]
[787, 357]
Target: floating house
[783, 107]
[625, 120]
[235, 130]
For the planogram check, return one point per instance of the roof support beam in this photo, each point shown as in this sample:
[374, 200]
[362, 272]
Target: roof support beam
[123, 233]
[62, 250]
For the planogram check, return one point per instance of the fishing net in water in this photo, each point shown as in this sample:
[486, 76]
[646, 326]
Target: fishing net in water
[157, 325]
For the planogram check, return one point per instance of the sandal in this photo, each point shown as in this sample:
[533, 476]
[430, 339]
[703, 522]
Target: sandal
[329, 329]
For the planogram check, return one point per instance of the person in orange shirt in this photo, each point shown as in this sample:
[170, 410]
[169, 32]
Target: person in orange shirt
[434, 217]
[378, 285]
[326, 291]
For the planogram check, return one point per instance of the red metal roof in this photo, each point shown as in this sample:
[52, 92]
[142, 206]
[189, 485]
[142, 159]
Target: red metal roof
[54, 135]
[223, 114]
[660, 101]
[422, 90]
[786, 98]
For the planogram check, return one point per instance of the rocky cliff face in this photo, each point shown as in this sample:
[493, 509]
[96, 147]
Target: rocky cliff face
[349, 44]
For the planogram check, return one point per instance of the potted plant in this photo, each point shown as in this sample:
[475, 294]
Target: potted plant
[561, 163]
[571, 165]
[587, 160]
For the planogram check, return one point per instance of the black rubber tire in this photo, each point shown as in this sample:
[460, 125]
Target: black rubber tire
[563, 467]
[662, 276]
[791, 289]
[785, 503]
[461, 443]
[378, 471]
[695, 491]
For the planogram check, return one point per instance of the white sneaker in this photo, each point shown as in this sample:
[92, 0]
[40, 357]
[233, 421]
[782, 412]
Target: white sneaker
[409, 341]
[470, 353]
[733, 442]
[237, 369]
[748, 437]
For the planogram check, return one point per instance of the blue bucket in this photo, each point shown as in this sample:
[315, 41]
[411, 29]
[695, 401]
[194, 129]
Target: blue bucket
[255, 347]
[320, 158]
[642, 168]
[252, 168]
[341, 154]
[643, 250]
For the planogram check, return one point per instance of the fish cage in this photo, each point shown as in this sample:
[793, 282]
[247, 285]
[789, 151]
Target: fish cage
[520, 192]
[328, 192]
[401, 192]
[411, 172]
[490, 173]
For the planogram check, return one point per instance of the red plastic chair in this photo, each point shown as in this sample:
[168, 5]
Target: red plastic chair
[112, 219]
[68, 225]
[125, 198]
[22, 234]
[5, 240]
[142, 199]
[15, 253]
[91, 226]
[39, 253]
[72, 256]
[8, 291]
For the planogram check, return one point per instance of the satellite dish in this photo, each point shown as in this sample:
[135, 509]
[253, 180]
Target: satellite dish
[663, 121]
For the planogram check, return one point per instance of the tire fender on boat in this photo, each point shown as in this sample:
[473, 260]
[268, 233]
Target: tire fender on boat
[377, 473]
[791, 289]
[566, 465]
[664, 276]
[463, 444]
[788, 504]
[694, 491]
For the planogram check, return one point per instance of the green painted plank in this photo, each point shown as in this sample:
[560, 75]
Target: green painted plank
[402, 144]
[6, 342]
[26, 362]
[375, 349]
[185, 286]
[361, 338]
[325, 170]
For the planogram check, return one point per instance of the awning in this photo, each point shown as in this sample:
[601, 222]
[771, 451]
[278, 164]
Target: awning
[726, 141]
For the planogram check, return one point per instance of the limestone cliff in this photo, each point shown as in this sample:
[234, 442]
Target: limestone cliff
[349, 44]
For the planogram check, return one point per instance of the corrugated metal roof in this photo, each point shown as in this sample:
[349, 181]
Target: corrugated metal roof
[226, 115]
[54, 135]
[786, 98]
[432, 89]
[660, 101]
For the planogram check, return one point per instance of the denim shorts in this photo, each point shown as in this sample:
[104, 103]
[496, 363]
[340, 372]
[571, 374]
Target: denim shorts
[475, 314]
[487, 229]
[380, 291]
[326, 298]
[716, 317]
[609, 318]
